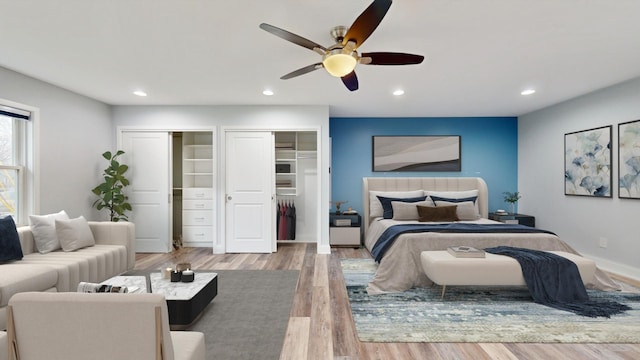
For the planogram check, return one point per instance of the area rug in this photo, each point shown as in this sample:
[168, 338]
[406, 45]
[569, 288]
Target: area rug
[478, 314]
[248, 318]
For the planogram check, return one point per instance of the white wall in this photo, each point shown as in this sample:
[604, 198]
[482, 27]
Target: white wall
[74, 132]
[178, 118]
[580, 221]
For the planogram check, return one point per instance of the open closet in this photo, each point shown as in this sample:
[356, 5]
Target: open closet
[193, 177]
[297, 184]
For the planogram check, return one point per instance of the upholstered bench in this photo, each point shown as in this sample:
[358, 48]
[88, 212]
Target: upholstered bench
[445, 269]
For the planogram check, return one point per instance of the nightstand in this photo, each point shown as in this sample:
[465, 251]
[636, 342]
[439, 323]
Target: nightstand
[345, 230]
[522, 219]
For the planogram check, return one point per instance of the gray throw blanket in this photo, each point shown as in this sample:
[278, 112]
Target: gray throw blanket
[555, 281]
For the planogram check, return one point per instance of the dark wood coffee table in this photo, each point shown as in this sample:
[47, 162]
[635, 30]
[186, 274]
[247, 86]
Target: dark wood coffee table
[185, 301]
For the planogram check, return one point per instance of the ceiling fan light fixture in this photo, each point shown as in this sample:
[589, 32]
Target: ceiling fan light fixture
[339, 62]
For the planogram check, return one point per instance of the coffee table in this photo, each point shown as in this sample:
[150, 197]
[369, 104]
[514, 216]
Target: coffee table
[185, 301]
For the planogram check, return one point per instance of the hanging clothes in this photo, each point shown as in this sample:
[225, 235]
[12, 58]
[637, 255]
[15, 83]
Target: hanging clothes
[291, 221]
[286, 220]
[282, 232]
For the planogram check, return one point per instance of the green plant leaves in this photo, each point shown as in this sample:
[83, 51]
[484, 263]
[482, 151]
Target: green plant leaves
[110, 192]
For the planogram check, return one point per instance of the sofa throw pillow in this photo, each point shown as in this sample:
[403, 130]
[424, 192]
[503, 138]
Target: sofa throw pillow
[437, 214]
[387, 208]
[10, 248]
[466, 210]
[43, 228]
[408, 211]
[74, 234]
[375, 207]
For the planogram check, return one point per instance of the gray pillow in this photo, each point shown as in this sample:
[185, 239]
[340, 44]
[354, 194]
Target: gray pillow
[466, 210]
[408, 211]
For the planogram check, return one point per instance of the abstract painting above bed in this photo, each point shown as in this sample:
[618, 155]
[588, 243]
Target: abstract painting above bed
[400, 269]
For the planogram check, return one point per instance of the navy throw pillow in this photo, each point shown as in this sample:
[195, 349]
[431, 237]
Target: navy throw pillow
[387, 208]
[438, 198]
[10, 248]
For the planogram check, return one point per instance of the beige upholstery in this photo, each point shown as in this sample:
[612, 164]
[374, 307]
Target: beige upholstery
[113, 254]
[445, 269]
[96, 326]
[418, 183]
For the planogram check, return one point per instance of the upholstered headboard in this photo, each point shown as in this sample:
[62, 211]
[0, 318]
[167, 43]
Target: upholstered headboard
[424, 183]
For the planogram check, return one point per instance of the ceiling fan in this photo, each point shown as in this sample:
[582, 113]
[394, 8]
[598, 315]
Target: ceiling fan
[341, 58]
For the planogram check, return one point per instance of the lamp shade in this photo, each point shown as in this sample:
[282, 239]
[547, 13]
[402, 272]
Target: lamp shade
[339, 63]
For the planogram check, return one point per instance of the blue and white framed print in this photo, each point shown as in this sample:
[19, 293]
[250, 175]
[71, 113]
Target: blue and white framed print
[629, 160]
[587, 162]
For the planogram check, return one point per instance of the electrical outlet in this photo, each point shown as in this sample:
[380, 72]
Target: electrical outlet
[603, 242]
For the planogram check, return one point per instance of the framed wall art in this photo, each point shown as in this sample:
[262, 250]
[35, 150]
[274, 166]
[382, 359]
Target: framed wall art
[629, 160]
[416, 153]
[587, 162]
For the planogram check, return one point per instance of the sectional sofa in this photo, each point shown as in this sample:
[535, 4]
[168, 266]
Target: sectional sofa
[111, 253]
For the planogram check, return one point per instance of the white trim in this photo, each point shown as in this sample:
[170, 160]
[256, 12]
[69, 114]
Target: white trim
[32, 161]
[616, 268]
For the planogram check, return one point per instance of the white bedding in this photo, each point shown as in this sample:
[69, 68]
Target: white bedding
[400, 269]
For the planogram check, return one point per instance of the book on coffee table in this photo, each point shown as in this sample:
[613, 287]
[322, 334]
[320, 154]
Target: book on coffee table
[466, 252]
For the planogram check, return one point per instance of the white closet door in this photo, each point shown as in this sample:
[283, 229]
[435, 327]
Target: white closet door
[148, 156]
[250, 171]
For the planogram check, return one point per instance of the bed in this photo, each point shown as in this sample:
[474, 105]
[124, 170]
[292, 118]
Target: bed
[399, 267]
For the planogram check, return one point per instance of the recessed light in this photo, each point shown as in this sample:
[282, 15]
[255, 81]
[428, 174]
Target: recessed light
[139, 93]
[398, 92]
[267, 92]
[527, 92]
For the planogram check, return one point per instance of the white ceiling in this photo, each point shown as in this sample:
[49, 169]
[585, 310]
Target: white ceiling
[479, 54]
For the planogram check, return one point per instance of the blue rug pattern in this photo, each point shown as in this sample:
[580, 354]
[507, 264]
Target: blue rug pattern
[478, 314]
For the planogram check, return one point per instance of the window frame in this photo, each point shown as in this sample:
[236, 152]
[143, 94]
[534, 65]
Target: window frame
[27, 150]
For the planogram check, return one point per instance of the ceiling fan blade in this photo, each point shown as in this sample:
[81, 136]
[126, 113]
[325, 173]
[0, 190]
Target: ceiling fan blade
[367, 22]
[289, 36]
[302, 71]
[390, 58]
[350, 81]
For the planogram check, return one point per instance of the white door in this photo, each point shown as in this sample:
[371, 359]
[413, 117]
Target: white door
[249, 192]
[148, 157]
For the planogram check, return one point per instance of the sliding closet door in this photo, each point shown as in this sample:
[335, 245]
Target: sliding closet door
[249, 173]
[148, 157]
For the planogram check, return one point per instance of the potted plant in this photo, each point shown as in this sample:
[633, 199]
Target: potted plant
[110, 192]
[512, 198]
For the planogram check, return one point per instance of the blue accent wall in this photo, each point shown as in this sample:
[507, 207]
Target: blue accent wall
[489, 150]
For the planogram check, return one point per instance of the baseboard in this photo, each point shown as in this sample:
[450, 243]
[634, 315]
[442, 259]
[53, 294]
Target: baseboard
[324, 249]
[616, 268]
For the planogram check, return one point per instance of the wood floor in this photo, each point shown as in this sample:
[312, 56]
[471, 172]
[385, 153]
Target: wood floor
[321, 326]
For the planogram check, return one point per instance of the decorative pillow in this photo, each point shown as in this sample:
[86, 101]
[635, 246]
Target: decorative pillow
[375, 207]
[43, 228]
[437, 213]
[455, 196]
[408, 211]
[388, 208]
[452, 194]
[10, 248]
[74, 234]
[466, 209]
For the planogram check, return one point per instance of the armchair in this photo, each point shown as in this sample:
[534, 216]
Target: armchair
[69, 326]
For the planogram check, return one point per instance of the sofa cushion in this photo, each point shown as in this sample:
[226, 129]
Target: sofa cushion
[74, 234]
[16, 278]
[10, 248]
[43, 228]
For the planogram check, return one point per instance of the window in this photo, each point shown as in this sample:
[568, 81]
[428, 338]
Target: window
[16, 162]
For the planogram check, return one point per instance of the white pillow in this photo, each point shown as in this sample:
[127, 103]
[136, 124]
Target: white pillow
[408, 211]
[43, 228]
[74, 234]
[466, 210]
[375, 207]
[453, 194]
